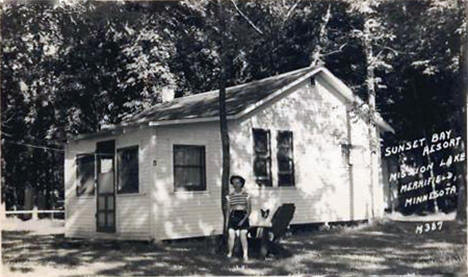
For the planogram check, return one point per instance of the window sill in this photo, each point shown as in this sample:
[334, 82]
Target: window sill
[260, 188]
[117, 195]
[287, 188]
[136, 194]
[194, 192]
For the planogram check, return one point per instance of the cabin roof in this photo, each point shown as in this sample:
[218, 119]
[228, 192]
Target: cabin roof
[206, 104]
[240, 100]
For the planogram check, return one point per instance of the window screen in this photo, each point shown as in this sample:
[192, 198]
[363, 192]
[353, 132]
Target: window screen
[127, 170]
[262, 157]
[85, 174]
[189, 168]
[285, 158]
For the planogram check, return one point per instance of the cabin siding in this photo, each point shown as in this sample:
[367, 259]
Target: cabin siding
[187, 214]
[133, 217]
[316, 114]
[80, 220]
[132, 210]
[360, 158]
[366, 197]
[381, 184]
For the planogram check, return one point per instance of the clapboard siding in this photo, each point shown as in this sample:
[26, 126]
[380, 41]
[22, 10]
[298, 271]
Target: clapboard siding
[80, 216]
[133, 217]
[187, 214]
[317, 117]
[132, 210]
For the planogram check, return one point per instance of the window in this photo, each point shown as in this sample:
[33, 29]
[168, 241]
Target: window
[262, 157]
[285, 159]
[85, 174]
[189, 168]
[127, 170]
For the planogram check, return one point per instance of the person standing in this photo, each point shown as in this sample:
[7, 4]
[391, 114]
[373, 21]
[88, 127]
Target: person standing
[238, 212]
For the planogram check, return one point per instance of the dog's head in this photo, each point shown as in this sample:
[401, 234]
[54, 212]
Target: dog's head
[265, 212]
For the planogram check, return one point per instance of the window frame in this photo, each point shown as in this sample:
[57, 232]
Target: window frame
[202, 169]
[132, 147]
[78, 184]
[263, 181]
[290, 158]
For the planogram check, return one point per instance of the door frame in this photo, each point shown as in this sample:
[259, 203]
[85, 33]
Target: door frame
[105, 149]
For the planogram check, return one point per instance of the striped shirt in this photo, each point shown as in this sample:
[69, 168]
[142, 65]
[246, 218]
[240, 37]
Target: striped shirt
[238, 200]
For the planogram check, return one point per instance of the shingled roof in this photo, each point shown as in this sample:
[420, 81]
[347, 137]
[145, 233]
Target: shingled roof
[206, 105]
[240, 100]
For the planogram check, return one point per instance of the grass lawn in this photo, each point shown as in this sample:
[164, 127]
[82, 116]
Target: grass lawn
[40, 249]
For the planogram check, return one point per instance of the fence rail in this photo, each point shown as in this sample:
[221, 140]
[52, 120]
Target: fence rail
[34, 213]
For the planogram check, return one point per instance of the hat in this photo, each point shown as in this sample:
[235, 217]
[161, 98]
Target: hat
[237, 177]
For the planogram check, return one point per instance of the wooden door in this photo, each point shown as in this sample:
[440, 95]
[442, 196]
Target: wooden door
[105, 213]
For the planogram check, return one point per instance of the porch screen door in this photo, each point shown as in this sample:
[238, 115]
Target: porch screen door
[105, 213]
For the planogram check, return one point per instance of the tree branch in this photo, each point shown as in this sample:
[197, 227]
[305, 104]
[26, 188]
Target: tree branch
[317, 54]
[326, 19]
[376, 57]
[394, 50]
[8, 119]
[336, 51]
[246, 18]
[291, 10]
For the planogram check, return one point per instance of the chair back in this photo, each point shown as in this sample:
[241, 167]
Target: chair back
[281, 220]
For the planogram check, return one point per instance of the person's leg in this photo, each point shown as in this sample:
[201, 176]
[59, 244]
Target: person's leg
[231, 238]
[244, 243]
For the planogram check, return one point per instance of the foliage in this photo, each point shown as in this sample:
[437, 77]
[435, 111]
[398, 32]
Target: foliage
[71, 67]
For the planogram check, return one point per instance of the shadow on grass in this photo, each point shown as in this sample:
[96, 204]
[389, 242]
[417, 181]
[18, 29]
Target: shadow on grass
[391, 248]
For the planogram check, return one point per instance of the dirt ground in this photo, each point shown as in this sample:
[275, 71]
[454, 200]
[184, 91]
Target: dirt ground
[40, 249]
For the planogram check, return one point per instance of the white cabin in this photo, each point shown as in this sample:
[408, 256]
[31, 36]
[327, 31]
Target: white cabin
[294, 137]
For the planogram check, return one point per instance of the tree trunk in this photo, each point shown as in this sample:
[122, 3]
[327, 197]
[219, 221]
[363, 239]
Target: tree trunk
[349, 163]
[225, 147]
[222, 116]
[370, 84]
[316, 55]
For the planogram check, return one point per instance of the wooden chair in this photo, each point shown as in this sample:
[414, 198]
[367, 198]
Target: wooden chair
[265, 239]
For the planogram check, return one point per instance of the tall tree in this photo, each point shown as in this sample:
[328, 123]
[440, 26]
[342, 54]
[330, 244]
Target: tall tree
[373, 38]
[223, 124]
[426, 78]
[69, 68]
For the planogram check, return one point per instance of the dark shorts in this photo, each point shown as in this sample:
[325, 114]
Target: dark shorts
[235, 218]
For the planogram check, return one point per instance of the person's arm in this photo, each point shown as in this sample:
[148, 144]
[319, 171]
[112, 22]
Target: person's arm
[247, 214]
[249, 207]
